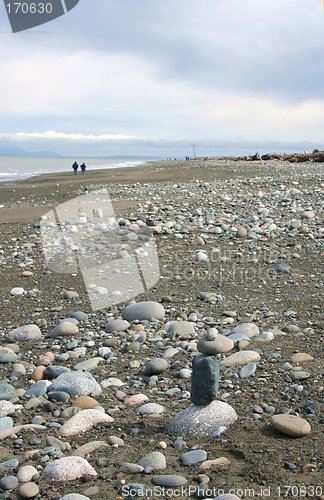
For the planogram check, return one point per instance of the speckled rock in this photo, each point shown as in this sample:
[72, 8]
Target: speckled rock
[199, 421]
[68, 469]
[77, 384]
[155, 460]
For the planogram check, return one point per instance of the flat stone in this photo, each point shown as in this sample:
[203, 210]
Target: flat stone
[249, 329]
[300, 375]
[89, 448]
[151, 409]
[169, 481]
[291, 425]
[25, 333]
[301, 357]
[156, 366]
[248, 370]
[205, 380]
[221, 344]
[193, 457]
[182, 329]
[80, 316]
[68, 469]
[227, 496]
[64, 329]
[38, 389]
[241, 358]
[77, 384]
[111, 382]
[155, 460]
[213, 464]
[200, 421]
[143, 311]
[89, 364]
[74, 496]
[28, 490]
[83, 421]
[58, 396]
[117, 325]
[136, 400]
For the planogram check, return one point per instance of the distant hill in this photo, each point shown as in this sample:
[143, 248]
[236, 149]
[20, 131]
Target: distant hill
[5, 151]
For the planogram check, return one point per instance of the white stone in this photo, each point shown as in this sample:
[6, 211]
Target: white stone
[241, 358]
[68, 469]
[83, 421]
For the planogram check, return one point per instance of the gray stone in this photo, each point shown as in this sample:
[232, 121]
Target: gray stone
[237, 337]
[248, 370]
[182, 329]
[38, 389]
[64, 329]
[7, 392]
[283, 268]
[200, 421]
[77, 384]
[151, 409]
[299, 375]
[143, 311]
[53, 371]
[249, 329]
[58, 396]
[193, 457]
[68, 469]
[6, 423]
[155, 366]
[10, 464]
[8, 357]
[9, 482]
[89, 364]
[25, 333]
[227, 496]
[205, 380]
[220, 344]
[80, 316]
[169, 481]
[117, 325]
[155, 460]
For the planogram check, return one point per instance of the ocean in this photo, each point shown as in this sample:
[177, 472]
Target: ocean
[20, 167]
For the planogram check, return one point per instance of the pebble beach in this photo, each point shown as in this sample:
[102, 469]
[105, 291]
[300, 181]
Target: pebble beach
[209, 384]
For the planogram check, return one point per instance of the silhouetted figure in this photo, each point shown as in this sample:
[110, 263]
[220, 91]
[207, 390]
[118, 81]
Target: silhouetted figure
[83, 167]
[75, 167]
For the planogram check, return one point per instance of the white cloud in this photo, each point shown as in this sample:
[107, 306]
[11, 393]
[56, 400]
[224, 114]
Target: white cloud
[75, 137]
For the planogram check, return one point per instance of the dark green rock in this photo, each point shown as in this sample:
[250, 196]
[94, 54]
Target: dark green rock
[205, 379]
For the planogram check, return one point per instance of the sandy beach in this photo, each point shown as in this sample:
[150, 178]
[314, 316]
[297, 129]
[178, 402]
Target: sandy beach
[238, 243]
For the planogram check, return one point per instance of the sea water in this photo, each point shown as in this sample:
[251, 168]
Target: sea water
[22, 167]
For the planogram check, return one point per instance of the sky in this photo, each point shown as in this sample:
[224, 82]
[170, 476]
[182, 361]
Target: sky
[151, 77]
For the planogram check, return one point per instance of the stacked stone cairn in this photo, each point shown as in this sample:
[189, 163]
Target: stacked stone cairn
[207, 415]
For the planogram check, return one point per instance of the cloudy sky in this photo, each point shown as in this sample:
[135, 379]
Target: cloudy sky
[154, 76]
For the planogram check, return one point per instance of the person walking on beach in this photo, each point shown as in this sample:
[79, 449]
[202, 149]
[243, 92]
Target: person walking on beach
[75, 167]
[83, 167]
